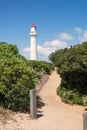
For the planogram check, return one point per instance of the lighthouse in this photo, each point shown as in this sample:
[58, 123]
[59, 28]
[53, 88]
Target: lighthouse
[33, 45]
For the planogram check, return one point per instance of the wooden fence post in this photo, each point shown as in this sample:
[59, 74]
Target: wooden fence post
[85, 121]
[33, 104]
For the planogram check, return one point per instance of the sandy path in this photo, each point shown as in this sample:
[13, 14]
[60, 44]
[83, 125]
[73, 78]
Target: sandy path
[54, 115]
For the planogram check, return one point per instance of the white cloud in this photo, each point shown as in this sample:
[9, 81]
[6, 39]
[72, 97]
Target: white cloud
[78, 30]
[56, 44]
[43, 51]
[65, 36]
[26, 52]
[49, 47]
[81, 34]
[84, 37]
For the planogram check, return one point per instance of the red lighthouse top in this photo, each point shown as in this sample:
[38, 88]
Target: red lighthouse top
[33, 25]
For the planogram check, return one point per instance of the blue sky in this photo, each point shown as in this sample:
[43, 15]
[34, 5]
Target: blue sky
[60, 23]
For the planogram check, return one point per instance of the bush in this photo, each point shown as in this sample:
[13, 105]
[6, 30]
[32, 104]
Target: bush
[70, 96]
[85, 100]
[41, 67]
[71, 64]
[16, 78]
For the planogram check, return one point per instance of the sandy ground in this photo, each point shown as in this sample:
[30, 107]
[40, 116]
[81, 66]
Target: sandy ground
[52, 115]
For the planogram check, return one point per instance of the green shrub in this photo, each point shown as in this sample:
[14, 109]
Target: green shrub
[70, 96]
[41, 67]
[16, 81]
[16, 78]
[71, 64]
[85, 100]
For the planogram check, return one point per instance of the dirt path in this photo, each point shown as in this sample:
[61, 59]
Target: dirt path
[53, 115]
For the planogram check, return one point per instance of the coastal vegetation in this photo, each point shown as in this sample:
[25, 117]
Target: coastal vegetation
[71, 64]
[17, 76]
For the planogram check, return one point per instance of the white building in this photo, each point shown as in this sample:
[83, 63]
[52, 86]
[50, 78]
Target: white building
[33, 45]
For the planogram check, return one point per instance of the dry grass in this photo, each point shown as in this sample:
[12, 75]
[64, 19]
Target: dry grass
[6, 114]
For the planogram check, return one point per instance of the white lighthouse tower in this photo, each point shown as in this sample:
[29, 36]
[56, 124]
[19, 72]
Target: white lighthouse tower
[33, 45]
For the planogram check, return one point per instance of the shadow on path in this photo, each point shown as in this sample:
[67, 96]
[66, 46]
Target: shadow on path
[40, 104]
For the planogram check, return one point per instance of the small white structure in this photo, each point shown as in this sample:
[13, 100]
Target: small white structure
[33, 45]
